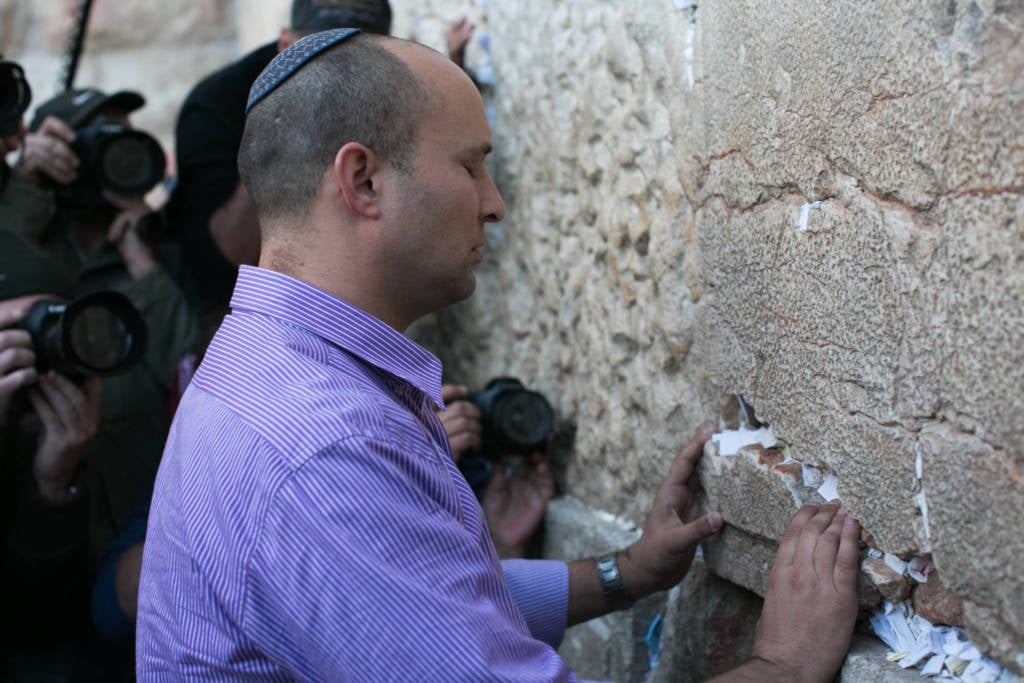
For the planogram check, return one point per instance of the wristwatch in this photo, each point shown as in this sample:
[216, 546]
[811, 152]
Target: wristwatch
[611, 582]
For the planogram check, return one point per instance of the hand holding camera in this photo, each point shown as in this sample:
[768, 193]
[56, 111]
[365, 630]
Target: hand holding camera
[48, 154]
[17, 361]
[130, 237]
[503, 419]
[461, 420]
[513, 419]
[82, 140]
[70, 415]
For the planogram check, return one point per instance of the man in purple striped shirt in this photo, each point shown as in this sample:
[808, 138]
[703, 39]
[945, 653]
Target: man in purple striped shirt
[309, 522]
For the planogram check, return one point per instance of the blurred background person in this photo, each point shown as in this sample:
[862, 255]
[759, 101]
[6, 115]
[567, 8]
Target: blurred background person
[84, 154]
[47, 424]
[218, 224]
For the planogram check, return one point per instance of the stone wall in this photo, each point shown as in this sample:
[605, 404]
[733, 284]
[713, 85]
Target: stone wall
[815, 205]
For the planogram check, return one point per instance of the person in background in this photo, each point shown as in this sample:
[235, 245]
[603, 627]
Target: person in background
[308, 496]
[47, 424]
[211, 208]
[513, 494]
[109, 242]
[23, 208]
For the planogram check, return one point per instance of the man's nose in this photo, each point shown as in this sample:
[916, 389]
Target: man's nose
[492, 207]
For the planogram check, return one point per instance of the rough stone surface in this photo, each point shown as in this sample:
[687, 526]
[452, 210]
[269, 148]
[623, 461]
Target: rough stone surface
[866, 662]
[657, 256]
[606, 647]
[893, 587]
[934, 601]
[709, 628]
[742, 558]
[751, 492]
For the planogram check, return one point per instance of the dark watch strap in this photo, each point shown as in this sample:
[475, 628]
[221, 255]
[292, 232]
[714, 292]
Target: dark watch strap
[611, 582]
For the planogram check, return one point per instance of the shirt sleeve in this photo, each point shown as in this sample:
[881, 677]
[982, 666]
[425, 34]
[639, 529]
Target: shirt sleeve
[363, 562]
[110, 620]
[541, 591]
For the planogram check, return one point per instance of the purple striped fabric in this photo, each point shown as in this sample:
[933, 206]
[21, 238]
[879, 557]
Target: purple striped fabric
[309, 523]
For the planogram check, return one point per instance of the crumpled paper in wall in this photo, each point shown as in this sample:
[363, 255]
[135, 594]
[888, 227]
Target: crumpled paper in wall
[946, 652]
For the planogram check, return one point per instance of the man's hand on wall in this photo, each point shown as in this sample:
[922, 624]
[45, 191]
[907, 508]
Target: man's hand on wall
[811, 604]
[662, 556]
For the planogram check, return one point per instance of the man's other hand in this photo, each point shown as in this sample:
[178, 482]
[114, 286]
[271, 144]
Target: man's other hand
[811, 604]
[662, 556]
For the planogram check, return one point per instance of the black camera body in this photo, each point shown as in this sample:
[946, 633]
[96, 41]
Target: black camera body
[15, 96]
[515, 420]
[115, 159]
[97, 334]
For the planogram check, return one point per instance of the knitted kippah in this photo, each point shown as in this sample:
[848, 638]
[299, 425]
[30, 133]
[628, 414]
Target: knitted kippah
[291, 60]
[26, 269]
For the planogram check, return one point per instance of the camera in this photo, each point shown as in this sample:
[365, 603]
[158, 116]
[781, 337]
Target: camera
[515, 420]
[15, 96]
[96, 334]
[115, 159]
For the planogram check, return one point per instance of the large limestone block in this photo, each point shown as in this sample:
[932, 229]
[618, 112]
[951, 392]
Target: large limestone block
[976, 502]
[859, 219]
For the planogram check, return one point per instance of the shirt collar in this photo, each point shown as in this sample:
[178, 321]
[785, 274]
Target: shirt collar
[299, 303]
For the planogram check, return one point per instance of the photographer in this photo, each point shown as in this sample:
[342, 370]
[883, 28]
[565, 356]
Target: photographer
[15, 96]
[46, 424]
[24, 207]
[513, 494]
[81, 148]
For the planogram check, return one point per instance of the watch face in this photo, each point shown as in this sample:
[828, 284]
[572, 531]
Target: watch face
[611, 583]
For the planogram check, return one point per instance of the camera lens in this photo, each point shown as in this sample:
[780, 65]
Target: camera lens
[130, 163]
[99, 338]
[523, 418]
[97, 334]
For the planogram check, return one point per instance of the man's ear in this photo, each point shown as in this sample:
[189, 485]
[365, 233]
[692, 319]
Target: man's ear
[355, 171]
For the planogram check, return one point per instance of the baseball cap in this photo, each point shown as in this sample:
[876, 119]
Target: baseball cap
[372, 16]
[74, 107]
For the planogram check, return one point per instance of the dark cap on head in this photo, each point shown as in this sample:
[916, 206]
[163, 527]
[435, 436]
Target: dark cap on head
[26, 269]
[372, 16]
[292, 59]
[74, 107]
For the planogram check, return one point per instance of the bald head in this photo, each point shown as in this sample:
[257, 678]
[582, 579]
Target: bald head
[360, 90]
